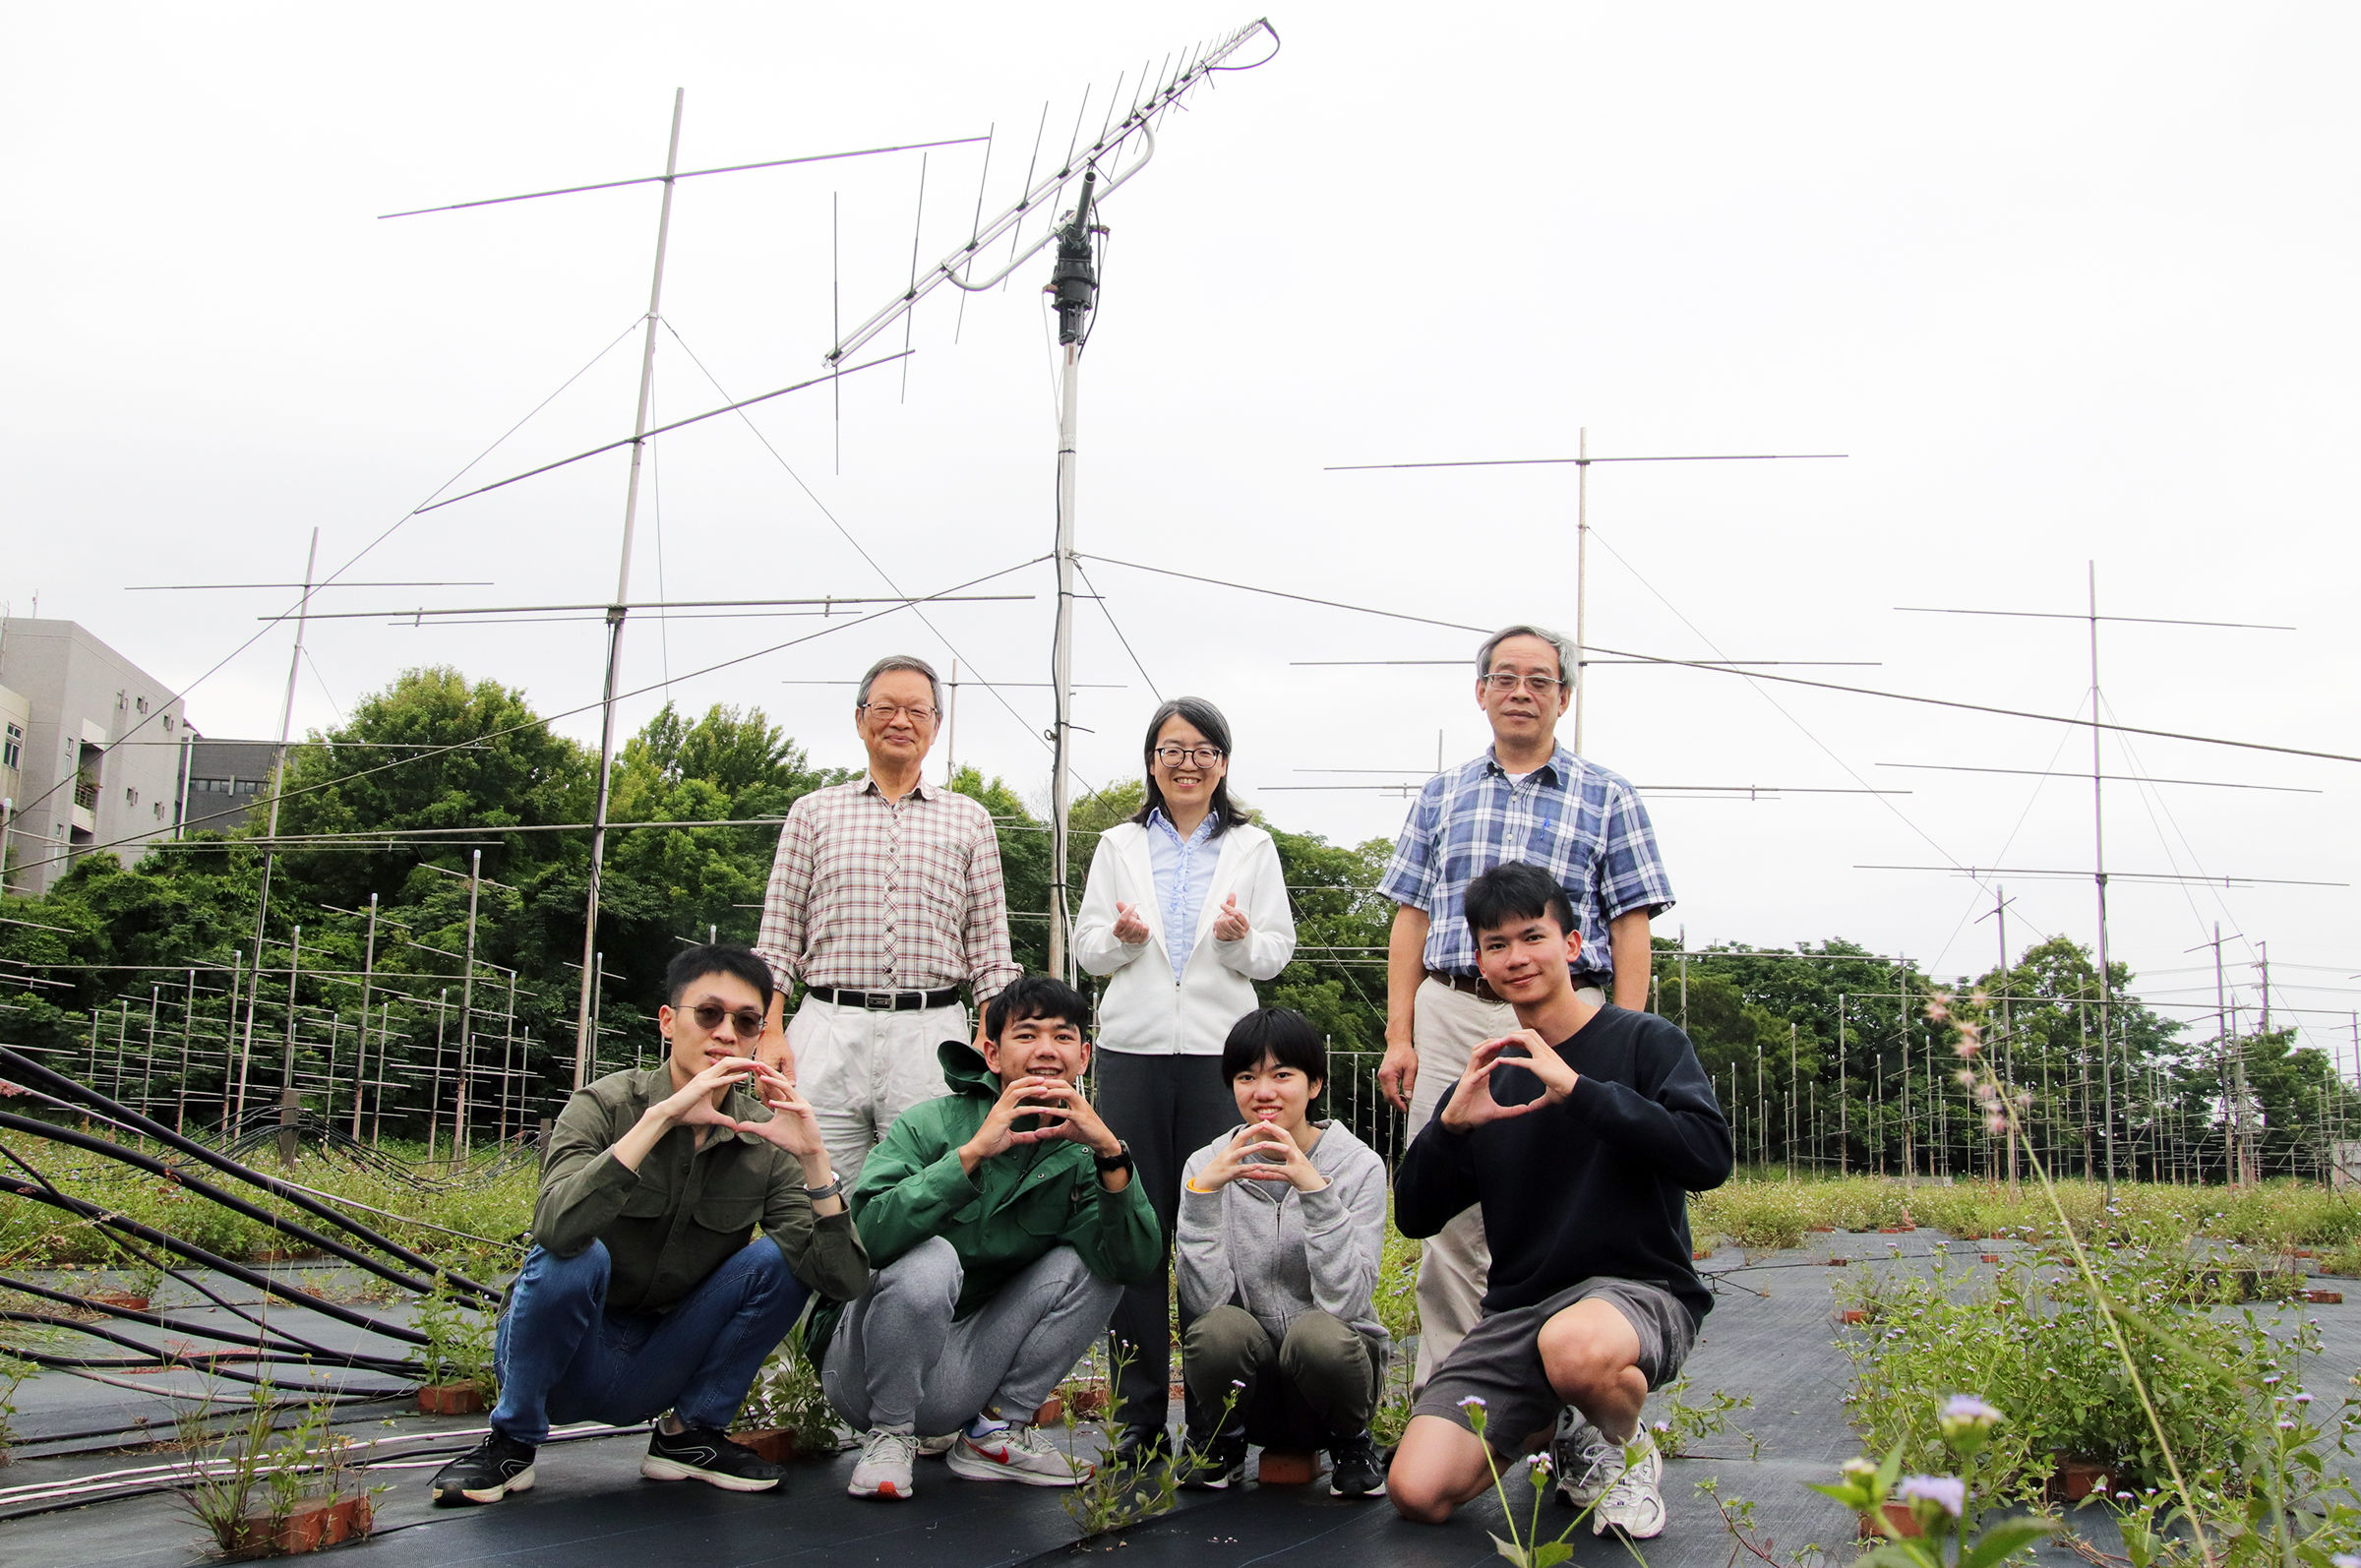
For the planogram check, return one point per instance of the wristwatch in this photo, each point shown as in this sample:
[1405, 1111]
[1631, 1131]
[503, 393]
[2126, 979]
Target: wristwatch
[1121, 1160]
[823, 1194]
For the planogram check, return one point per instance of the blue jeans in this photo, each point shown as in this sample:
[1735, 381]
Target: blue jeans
[563, 1357]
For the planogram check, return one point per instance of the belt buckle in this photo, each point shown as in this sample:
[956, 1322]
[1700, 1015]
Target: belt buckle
[874, 1000]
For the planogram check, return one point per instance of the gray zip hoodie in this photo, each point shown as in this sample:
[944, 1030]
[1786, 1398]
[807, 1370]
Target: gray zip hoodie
[1278, 1253]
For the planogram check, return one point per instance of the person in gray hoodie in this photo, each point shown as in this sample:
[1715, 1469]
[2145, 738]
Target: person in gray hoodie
[1281, 1231]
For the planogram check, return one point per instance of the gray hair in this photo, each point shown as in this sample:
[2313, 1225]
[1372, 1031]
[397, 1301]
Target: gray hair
[1556, 641]
[901, 661]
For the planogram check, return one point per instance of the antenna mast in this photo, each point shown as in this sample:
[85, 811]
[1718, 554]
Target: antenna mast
[1074, 287]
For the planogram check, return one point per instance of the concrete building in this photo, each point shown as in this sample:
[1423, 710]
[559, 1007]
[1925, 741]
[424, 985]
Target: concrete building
[227, 778]
[102, 756]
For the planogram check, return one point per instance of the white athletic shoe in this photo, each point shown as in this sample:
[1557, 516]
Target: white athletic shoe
[1584, 1460]
[1020, 1454]
[936, 1447]
[1632, 1506]
[885, 1466]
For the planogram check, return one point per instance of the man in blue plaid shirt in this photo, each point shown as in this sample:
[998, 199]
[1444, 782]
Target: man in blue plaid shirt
[1527, 798]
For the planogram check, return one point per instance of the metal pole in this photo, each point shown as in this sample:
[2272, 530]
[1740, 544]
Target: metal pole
[508, 1051]
[287, 1102]
[156, 1001]
[2098, 844]
[583, 1044]
[229, 1024]
[1061, 656]
[434, 1097]
[458, 1125]
[279, 779]
[188, 1016]
[950, 728]
[360, 1071]
[1582, 562]
[1843, 1099]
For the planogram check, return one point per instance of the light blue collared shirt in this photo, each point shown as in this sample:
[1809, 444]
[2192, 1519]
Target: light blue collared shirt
[1184, 875]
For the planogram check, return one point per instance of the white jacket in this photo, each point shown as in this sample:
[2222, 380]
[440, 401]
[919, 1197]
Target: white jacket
[1142, 1010]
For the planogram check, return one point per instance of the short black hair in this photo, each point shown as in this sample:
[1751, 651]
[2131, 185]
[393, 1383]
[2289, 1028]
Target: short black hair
[1282, 1034]
[1515, 890]
[1036, 996]
[691, 964]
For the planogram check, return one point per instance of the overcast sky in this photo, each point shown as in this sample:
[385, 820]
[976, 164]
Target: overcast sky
[2068, 285]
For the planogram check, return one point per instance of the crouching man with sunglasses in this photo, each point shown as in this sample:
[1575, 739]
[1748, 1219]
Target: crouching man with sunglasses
[686, 1214]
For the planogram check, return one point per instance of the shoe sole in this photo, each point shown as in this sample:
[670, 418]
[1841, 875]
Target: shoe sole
[885, 1491]
[655, 1469]
[1377, 1490]
[985, 1469]
[521, 1482]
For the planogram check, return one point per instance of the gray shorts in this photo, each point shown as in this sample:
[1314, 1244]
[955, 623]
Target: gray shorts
[1500, 1359]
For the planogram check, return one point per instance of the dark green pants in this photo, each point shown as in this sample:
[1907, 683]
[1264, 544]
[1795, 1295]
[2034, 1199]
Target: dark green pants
[1316, 1385]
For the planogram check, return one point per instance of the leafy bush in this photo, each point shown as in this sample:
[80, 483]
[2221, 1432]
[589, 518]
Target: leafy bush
[2040, 1350]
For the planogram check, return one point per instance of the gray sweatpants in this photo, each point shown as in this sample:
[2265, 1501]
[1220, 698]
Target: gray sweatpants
[899, 1361]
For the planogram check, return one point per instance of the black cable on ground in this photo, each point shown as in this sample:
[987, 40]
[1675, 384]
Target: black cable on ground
[289, 1347]
[292, 1228]
[25, 1070]
[199, 1256]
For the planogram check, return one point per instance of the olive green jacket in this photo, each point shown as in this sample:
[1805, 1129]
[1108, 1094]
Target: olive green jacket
[686, 1210]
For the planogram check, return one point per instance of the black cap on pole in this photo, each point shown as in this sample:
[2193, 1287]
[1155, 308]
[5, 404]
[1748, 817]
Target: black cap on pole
[1074, 280]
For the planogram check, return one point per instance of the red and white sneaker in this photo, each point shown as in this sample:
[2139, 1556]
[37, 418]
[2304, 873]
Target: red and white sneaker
[1021, 1454]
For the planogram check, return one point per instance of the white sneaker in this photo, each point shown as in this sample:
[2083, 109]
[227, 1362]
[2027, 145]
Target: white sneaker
[1584, 1460]
[936, 1447]
[885, 1466]
[1632, 1506]
[1020, 1454]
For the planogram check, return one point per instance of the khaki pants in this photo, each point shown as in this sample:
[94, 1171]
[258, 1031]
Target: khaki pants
[1446, 1027]
[860, 1069]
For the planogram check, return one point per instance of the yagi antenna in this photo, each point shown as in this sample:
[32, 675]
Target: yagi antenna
[1073, 290]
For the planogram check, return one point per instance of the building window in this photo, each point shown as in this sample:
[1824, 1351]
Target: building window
[11, 749]
[159, 810]
[130, 797]
[168, 724]
[143, 705]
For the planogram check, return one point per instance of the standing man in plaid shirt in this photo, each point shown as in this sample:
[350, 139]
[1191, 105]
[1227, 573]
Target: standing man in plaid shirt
[885, 899]
[1527, 798]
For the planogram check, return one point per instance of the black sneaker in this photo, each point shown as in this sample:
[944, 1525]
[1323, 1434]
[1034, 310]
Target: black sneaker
[1141, 1446]
[486, 1473]
[1216, 1465]
[708, 1454]
[1355, 1467]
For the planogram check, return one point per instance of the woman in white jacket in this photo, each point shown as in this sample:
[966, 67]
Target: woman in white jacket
[1183, 910]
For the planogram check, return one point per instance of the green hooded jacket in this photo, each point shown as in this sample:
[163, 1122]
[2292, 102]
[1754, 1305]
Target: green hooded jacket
[1015, 1208]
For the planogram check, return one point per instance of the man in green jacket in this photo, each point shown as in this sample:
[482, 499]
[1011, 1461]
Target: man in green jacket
[686, 1214]
[1004, 1223]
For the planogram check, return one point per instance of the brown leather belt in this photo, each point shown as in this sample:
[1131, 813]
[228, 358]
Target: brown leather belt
[1473, 985]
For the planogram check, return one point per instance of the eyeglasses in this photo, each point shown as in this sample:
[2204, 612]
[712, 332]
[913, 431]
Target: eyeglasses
[709, 1014]
[1175, 755]
[1505, 682]
[887, 712]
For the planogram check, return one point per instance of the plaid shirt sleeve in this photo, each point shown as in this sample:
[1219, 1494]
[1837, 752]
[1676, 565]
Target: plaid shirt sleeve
[1410, 875]
[786, 902]
[984, 924]
[1629, 876]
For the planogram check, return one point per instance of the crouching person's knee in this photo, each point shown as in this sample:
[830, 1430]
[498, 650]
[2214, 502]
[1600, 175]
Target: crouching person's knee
[1439, 1465]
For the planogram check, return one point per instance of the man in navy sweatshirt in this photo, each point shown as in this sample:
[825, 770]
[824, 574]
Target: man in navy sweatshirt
[1581, 1137]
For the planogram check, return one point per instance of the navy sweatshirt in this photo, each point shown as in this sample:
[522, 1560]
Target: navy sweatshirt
[1595, 1186]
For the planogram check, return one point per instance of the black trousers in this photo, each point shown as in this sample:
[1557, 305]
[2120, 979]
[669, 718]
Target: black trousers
[1166, 1108]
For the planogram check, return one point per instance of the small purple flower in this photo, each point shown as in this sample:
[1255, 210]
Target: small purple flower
[1972, 1408]
[1472, 1402]
[2346, 1559]
[2303, 1399]
[1948, 1492]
